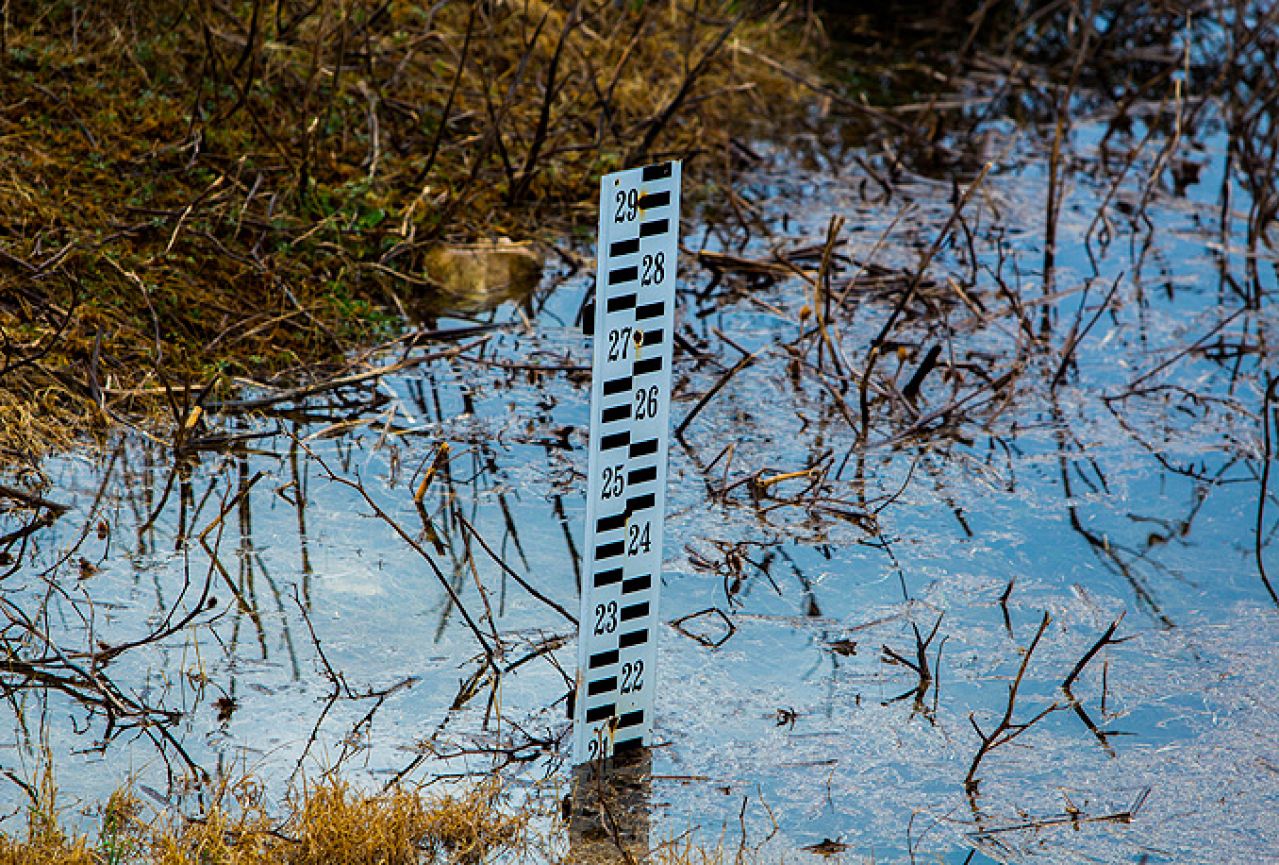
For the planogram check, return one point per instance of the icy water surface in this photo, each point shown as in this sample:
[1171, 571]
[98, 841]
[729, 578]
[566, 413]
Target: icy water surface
[1085, 447]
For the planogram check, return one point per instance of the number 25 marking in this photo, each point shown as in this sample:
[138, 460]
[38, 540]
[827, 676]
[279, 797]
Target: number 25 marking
[614, 483]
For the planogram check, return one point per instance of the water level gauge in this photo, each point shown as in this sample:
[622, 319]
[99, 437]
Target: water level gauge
[626, 492]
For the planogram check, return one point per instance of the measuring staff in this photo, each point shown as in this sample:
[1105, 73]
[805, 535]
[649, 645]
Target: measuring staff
[626, 490]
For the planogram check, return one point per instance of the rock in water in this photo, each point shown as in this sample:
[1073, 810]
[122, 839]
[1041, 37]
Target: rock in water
[478, 276]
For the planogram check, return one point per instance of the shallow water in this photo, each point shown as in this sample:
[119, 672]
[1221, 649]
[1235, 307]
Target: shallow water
[318, 637]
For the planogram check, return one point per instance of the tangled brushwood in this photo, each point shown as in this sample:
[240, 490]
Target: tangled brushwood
[192, 192]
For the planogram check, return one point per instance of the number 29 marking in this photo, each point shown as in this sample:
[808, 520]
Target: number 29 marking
[627, 205]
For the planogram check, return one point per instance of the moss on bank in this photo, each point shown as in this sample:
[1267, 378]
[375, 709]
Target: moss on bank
[192, 192]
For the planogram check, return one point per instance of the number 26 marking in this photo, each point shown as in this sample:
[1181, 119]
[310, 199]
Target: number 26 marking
[646, 402]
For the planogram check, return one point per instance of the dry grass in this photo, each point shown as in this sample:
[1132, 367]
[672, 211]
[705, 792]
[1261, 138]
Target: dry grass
[46, 842]
[194, 191]
[329, 823]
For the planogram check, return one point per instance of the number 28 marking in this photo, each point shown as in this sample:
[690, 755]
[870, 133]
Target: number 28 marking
[654, 269]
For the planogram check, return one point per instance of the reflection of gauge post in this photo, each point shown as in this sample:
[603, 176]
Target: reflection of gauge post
[626, 488]
[611, 810]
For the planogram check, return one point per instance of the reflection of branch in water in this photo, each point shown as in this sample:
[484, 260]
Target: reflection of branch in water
[52, 669]
[1072, 817]
[1006, 730]
[300, 489]
[366, 377]
[1179, 529]
[31, 500]
[215, 560]
[1079, 331]
[248, 582]
[439, 465]
[89, 517]
[1266, 456]
[529, 749]
[460, 558]
[458, 577]
[507, 569]
[811, 608]
[1101, 546]
[341, 689]
[1106, 639]
[491, 466]
[1160, 367]
[922, 669]
[1113, 404]
[877, 344]
[167, 626]
[558, 503]
[358, 487]
[285, 631]
[21, 536]
[731, 567]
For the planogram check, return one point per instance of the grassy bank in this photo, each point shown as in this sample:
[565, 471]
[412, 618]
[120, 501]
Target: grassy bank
[193, 193]
[329, 823]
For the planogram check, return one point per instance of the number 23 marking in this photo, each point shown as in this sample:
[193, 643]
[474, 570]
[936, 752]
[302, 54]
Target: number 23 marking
[605, 618]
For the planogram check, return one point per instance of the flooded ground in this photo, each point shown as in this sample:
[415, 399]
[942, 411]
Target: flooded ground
[997, 598]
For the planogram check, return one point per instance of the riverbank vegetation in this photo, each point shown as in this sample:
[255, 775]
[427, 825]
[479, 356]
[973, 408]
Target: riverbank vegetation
[328, 823]
[199, 195]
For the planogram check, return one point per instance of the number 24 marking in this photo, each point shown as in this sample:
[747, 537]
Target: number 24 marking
[639, 539]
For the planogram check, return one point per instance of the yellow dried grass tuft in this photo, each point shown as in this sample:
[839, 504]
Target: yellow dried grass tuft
[329, 823]
[45, 841]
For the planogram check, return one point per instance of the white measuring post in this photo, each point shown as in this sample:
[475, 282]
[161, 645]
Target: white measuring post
[626, 490]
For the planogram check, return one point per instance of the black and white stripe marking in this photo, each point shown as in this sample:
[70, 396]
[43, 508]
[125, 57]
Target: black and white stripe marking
[626, 493]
